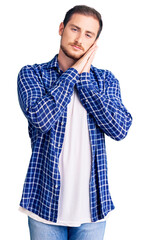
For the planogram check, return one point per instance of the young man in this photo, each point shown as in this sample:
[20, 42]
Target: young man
[70, 105]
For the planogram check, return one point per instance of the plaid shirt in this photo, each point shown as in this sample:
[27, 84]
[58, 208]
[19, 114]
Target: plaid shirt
[44, 92]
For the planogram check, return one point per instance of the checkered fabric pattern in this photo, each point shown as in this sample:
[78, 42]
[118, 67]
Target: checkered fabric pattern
[44, 92]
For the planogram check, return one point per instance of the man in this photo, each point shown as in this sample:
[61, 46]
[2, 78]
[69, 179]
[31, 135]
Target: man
[70, 105]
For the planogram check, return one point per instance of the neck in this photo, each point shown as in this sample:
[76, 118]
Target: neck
[64, 61]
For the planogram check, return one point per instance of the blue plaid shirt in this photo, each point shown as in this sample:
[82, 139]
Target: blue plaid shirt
[44, 92]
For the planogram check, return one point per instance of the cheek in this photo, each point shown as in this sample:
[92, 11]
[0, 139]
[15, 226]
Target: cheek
[66, 38]
[87, 46]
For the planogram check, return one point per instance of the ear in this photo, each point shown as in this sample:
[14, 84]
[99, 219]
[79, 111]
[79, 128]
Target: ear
[61, 28]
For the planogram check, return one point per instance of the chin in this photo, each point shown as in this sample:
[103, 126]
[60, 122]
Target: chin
[71, 54]
[74, 57]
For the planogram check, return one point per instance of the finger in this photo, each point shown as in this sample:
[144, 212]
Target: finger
[91, 57]
[89, 52]
[96, 42]
[89, 62]
[92, 52]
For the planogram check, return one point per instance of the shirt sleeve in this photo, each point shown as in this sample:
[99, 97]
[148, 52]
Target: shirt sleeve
[105, 104]
[41, 107]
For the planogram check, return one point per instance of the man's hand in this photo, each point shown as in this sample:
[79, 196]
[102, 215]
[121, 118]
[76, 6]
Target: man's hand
[84, 63]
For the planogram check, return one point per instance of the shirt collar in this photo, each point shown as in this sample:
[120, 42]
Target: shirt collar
[54, 63]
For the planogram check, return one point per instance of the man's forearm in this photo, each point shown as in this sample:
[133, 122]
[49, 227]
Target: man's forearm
[41, 107]
[108, 111]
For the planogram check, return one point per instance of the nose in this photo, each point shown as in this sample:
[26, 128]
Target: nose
[79, 38]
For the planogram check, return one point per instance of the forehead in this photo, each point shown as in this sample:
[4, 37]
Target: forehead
[84, 22]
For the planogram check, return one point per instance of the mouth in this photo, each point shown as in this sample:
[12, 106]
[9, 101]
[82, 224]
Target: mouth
[76, 47]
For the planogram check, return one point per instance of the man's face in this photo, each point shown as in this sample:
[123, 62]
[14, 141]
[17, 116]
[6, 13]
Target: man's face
[78, 35]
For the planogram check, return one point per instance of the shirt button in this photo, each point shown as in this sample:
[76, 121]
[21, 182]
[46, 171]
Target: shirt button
[62, 123]
[59, 145]
[56, 186]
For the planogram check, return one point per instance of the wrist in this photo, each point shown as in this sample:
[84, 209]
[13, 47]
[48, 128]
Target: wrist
[77, 67]
[84, 81]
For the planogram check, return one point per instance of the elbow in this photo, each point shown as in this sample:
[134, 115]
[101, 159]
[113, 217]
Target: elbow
[43, 127]
[43, 124]
[122, 132]
[120, 136]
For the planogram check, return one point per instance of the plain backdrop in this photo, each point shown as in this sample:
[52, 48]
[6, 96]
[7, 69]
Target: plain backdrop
[29, 34]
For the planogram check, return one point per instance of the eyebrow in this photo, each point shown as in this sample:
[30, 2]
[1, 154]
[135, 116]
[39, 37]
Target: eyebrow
[73, 25]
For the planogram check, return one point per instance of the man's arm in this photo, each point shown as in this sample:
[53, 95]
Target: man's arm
[43, 108]
[105, 106]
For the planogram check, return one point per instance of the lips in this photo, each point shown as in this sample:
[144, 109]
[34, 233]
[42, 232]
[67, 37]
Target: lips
[77, 47]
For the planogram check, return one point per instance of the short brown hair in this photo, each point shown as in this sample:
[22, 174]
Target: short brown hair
[84, 10]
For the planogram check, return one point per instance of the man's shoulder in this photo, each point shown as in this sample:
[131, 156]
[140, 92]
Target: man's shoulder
[38, 67]
[35, 67]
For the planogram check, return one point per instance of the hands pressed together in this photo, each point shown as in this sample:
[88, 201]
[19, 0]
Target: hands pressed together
[84, 63]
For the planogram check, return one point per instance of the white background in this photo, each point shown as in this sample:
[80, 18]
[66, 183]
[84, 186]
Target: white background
[29, 34]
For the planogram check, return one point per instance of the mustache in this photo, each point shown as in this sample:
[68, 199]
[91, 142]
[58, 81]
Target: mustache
[77, 45]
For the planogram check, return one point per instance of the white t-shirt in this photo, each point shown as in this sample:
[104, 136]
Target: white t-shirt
[75, 169]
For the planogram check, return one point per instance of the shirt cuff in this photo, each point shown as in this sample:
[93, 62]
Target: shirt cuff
[84, 81]
[65, 84]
